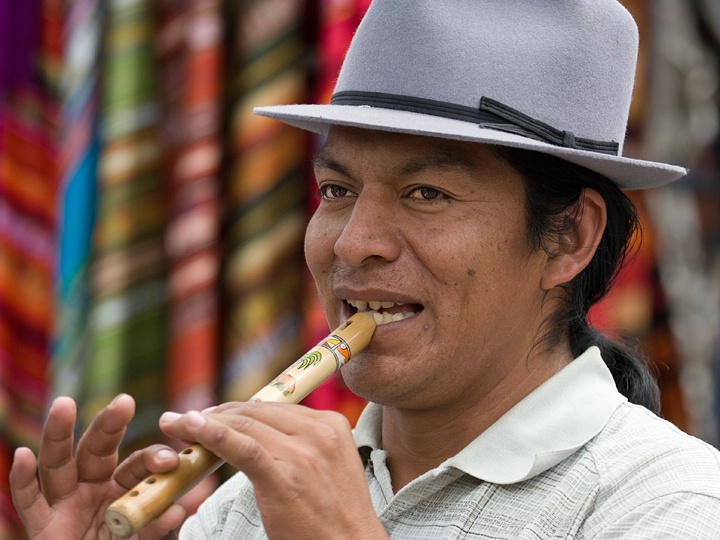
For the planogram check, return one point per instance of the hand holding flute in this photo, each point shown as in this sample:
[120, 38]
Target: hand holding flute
[156, 493]
[282, 451]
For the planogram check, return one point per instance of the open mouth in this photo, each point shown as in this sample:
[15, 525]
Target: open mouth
[385, 312]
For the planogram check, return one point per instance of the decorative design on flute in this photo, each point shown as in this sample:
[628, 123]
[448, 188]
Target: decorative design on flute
[310, 359]
[285, 383]
[339, 348]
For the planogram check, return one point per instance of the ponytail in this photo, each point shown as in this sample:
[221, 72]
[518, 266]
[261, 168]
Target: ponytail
[628, 366]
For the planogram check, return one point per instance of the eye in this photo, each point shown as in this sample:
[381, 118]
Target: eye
[334, 191]
[427, 193]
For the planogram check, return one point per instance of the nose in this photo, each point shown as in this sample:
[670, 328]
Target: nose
[372, 232]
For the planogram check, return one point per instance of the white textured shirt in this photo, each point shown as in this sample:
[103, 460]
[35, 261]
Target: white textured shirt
[573, 459]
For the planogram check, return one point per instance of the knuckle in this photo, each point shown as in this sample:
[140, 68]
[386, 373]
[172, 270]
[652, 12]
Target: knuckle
[340, 421]
[218, 436]
[334, 418]
[254, 453]
[143, 456]
[242, 423]
[334, 426]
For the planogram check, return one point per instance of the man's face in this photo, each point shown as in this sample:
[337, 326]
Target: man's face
[435, 231]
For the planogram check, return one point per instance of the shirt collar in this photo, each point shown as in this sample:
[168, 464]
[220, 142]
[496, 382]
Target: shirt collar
[547, 426]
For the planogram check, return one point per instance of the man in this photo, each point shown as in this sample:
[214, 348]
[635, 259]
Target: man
[470, 188]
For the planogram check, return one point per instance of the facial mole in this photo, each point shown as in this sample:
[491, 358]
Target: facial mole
[471, 272]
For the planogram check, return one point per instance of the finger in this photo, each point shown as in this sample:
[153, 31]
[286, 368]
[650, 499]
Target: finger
[58, 474]
[265, 422]
[326, 431]
[286, 418]
[157, 458]
[184, 426]
[168, 521]
[235, 439]
[309, 436]
[27, 497]
[97, 452]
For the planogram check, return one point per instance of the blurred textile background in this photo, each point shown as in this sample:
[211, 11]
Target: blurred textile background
[151, 226]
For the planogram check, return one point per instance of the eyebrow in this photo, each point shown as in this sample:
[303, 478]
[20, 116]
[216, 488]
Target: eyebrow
[323, 160]
[440, 158]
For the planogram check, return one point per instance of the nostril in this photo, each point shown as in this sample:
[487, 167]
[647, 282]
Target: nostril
[367, 237]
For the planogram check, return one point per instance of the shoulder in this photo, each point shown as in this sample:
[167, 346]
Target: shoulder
[652, 476]
[636, 444]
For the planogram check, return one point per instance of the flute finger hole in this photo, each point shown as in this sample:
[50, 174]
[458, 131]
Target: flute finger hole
[187, 451]
[134, 493]
[151, 480]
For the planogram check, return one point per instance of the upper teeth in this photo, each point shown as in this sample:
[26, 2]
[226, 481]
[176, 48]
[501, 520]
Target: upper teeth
[380, 318]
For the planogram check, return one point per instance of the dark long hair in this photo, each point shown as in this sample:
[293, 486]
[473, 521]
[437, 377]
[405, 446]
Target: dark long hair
[553, 189]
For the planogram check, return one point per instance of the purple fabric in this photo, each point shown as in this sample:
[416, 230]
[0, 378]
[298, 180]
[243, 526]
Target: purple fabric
[19, 40]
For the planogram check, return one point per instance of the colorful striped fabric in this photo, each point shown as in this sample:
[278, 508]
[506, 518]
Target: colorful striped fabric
[264, 197]
[28, 219]
[77, 161]
[128, 309]
[28, 186]
[189, 46]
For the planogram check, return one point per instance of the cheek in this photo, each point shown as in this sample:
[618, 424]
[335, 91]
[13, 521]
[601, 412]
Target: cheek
[459, 259]
[319, 247]
[479, 265]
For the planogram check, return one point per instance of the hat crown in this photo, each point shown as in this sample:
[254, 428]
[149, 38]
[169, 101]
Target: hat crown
[567, 63]
[551, 76]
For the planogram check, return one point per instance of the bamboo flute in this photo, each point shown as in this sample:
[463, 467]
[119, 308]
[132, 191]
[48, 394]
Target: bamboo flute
[148, 499]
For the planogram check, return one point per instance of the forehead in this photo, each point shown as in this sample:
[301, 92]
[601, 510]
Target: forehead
[406, 152]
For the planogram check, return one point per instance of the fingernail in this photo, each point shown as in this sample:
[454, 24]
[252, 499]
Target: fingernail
[195, 419]
[169, 417]
[165, 455]
[60, 399]
[117, 398]
[20, 450]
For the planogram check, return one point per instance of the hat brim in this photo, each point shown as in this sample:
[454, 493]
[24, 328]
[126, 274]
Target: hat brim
[627, 173]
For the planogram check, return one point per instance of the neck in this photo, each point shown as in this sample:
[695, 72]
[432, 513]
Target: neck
[419, 440]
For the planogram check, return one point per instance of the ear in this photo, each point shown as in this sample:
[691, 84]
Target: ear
[575, 248]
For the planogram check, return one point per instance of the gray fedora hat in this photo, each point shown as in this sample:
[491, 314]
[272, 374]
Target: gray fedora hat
[554, 76]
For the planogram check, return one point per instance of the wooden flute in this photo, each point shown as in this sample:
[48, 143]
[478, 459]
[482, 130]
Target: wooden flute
[147, 500]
